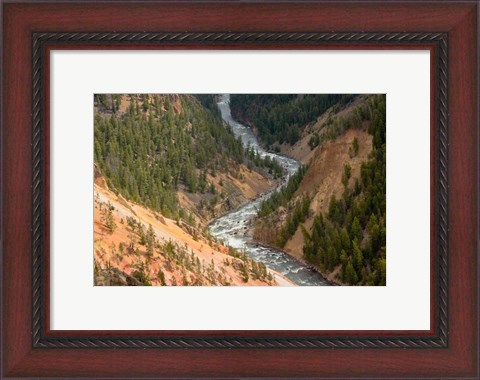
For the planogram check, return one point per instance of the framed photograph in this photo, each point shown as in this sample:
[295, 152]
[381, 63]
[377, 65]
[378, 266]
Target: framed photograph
[240, 189]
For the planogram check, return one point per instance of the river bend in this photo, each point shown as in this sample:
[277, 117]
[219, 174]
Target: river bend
[233, 227]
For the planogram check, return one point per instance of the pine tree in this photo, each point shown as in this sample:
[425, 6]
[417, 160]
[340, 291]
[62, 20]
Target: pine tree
[381, 272]
[347, 172]
[350, 274]
[107, 217]
[355, 146]
[356, 230]
[161, 277]
[150, 240]
[357, 257]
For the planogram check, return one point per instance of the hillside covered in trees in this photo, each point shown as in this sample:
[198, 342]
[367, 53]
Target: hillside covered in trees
[168, 165]
[173, 154]
[165, 165]
[333, 212]
[282, 118]
[137, 247]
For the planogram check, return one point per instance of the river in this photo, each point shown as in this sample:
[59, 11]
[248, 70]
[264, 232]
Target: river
[233, 227]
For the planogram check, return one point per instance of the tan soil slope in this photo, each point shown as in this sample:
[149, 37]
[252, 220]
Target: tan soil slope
[238, 187]
[301, 150]
[324, 177]
[237, 183]
[208, 262]
[322, 180]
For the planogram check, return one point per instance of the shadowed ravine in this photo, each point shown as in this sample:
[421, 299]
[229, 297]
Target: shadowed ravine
[233, 227]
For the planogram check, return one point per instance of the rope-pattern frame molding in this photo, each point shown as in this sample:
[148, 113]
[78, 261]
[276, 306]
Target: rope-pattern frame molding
[316, 40]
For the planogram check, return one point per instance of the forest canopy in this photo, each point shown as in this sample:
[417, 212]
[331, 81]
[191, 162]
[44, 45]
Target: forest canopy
[160, 144]
[282, 118]
[353, 231]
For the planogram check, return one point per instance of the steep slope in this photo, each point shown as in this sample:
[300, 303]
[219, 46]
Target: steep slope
[165, 165]
[322, 180]
[281, 119]
[137, 246]
[330, 124]
[174, 155]
[335, 216]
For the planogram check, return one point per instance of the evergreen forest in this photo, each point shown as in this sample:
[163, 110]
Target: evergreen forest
[161, 144]
[353, 231]
[282, 118]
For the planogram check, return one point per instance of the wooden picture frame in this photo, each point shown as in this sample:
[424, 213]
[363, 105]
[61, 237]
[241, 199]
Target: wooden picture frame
[448, 349]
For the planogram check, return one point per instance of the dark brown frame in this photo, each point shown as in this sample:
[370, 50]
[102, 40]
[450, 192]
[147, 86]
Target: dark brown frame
[32, 349]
